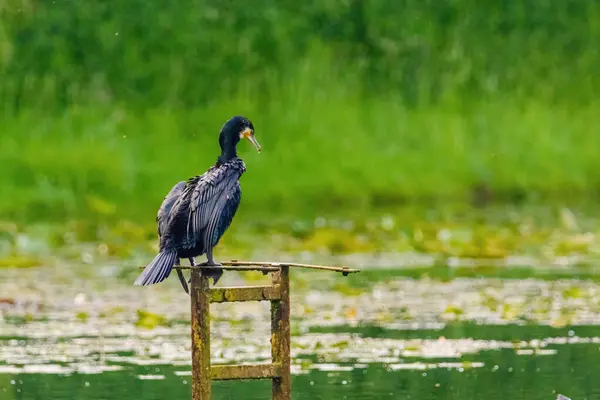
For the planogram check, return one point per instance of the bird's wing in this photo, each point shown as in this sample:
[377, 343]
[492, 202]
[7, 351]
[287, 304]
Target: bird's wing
[208, 199]
[228, 205]
[162, 218]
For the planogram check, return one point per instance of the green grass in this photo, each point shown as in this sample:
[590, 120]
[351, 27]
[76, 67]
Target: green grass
[357, 105]
[324, 148]
[149, 53]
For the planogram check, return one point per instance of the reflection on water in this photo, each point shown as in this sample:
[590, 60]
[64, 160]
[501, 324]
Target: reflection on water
[64, 335]
[501, 374]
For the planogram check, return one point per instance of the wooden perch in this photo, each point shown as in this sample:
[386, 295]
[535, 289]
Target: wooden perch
[267, 266]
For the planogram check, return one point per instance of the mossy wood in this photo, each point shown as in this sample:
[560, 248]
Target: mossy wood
[278, 293]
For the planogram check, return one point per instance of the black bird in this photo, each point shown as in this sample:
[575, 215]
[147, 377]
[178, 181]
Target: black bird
[195, 214]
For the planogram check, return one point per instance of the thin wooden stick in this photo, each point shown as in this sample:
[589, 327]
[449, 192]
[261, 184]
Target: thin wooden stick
[267, 266]
[226, 267]
[343, 270]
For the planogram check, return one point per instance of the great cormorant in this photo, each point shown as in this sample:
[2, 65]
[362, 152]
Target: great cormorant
[195, 214]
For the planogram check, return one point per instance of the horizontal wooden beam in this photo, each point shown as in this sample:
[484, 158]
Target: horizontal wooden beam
[343, 270]
[252, 371]
[245, 293]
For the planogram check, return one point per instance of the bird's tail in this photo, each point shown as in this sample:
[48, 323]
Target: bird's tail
[158, 270]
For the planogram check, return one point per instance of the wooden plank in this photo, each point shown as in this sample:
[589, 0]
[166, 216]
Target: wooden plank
[253, 371]
[244, 293]
[200, 294]
[280, 334]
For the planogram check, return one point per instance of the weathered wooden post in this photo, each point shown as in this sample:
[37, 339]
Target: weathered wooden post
[278, 293]
[280, 334]
[201, 368]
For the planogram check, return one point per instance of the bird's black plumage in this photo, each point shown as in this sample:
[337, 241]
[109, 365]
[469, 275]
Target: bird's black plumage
[195, 214]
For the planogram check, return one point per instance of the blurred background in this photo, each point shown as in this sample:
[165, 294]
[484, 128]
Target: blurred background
[448, 149]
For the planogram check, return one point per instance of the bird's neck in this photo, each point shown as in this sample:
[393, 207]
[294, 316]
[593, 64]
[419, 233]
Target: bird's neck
[227, 154]
[228, 145]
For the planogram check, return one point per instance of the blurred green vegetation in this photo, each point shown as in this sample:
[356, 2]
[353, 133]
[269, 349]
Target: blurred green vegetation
[357, 104]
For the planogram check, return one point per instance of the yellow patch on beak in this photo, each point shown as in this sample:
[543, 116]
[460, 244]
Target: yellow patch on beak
[246, 133]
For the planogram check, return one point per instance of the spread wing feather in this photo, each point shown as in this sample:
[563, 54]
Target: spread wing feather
[222, 221]
[228, 203]
[211, 194]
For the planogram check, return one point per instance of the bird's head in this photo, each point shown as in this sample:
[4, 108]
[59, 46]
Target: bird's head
[234, 130]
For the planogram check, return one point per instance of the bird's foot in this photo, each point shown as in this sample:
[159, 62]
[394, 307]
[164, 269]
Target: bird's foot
[213, 271]
[209, 264]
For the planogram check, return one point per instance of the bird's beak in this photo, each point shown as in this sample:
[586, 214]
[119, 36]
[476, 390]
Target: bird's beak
[253, 140]
[248, 134]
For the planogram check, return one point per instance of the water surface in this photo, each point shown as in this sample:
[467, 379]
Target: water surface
[81, 333]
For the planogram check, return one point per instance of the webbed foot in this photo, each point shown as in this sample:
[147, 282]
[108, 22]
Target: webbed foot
[214, 272]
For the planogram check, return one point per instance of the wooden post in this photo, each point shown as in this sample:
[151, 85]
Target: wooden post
[280, 334]
[201, 371]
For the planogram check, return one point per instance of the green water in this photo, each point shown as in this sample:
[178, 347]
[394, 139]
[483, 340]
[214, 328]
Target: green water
[84, 333]
[573, 370]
